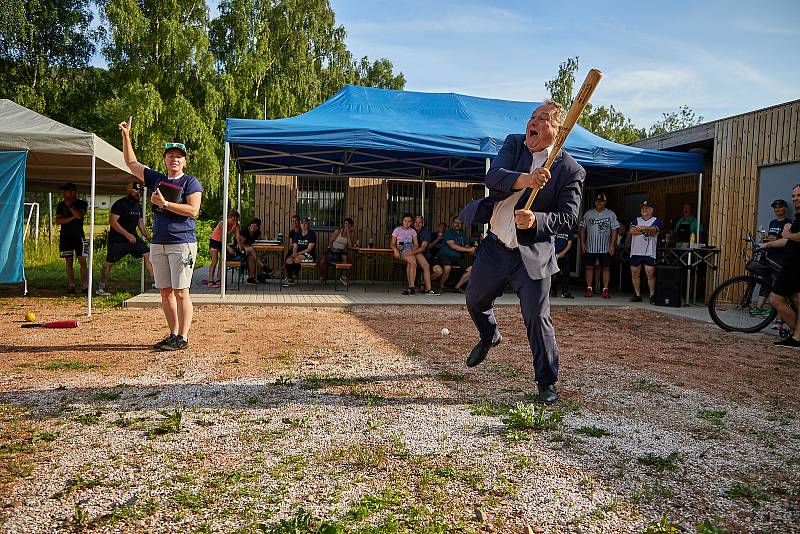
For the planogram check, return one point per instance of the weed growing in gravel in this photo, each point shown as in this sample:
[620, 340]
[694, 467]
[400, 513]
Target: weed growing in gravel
[749, 492]
[530, 417]
[517, 435]
[89, 418]
[76, 484]
[67, 365]
[593, 431]
[296, 422]
[660, 462]
[448, 376]
[712, 416]
[413, 351]
[707, 526]
[489, 408]
[128, 422]
[190, 500]
[80, 519]
[647, 386]
[302, 522]
[170, 424]
[662, 526]
[782, 418]
[108, 395]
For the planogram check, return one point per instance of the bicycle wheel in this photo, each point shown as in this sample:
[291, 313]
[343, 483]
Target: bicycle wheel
[731, 302]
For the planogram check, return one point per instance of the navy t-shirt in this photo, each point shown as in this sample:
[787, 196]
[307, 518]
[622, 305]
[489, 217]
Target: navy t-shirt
[129, 211]
[776, 229]
[304, 240]
[168, 227]
[74, 228]
[561, 240]
[425, 235]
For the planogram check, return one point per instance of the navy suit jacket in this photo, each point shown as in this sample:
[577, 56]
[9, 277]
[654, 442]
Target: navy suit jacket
[556, 206]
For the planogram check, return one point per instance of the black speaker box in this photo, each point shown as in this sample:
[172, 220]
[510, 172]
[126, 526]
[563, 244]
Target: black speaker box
[668, 286]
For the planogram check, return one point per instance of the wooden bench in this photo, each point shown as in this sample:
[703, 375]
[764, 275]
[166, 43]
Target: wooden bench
[235, 266]
[340, 270]
[311, 268]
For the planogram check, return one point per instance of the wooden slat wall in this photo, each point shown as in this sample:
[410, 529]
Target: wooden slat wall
[276, 198]
[742, 145]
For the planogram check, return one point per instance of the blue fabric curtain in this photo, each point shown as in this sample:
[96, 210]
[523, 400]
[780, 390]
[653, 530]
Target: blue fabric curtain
[12, 213]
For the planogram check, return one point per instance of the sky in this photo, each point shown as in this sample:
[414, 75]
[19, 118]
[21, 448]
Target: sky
[719, 58]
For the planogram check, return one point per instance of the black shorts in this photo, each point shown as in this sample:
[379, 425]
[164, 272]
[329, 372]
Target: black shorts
[455, 261]
[69, 246]
[117, 251]
[591, 259]
[649, 261]
[334, 256]
[216, 245]
[788, 282]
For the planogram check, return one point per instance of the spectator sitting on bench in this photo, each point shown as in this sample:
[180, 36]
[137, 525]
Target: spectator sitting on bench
[404, 241]
[246, 238]
[302, 252]
[421, 252]
[215, 248]
[341, 241]
[453, 253]
[436, 242]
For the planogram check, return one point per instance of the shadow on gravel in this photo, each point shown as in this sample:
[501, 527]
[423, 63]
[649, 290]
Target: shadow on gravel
[85, 347]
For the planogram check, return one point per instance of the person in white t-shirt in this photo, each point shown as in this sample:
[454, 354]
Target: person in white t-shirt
[598, 231]
[644, 231]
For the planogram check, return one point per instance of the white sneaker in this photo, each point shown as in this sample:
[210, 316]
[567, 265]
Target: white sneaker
[101, 292]
[777, 324]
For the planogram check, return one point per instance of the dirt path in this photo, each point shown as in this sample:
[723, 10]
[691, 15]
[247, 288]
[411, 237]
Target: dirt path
[367, 418]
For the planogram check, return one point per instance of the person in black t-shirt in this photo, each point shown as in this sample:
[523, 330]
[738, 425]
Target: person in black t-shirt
[563, 245]
[786, 291]
[293, 232]
[775, 253]
[126, 217]
[71, 242]
[303, 251]
[247, 236]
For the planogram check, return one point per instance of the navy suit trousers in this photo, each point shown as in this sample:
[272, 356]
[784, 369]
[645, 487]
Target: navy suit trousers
[494, 266]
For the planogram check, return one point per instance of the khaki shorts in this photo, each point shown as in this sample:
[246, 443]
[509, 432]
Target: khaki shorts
[173, 265]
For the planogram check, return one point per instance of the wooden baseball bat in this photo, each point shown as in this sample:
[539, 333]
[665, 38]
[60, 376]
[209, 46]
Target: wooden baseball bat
[52, 324]
[588, 87]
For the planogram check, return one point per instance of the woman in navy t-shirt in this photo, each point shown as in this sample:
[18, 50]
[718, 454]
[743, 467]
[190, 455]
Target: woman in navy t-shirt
[173, 250]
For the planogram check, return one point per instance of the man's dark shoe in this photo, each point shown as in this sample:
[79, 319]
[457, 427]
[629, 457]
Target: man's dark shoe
[166, 341]
[653, 300]
[636, 298]
[567, 295]
[70, 290]
[251, 281]
[787, 342]
[479, 352]
[547, 394]
[177, 343]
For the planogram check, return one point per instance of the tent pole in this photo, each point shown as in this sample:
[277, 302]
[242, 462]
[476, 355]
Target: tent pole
[91, 234]
[239, 192]
[699, 203]
[50, 218]
[225, 175]
[144, 218]
[486, 194]
[422, 212]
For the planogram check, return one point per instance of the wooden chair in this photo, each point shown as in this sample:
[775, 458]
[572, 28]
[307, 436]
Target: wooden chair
[341, 269]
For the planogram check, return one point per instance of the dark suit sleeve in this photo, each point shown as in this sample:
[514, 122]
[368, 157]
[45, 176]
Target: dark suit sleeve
[565, 215]
[501, 175]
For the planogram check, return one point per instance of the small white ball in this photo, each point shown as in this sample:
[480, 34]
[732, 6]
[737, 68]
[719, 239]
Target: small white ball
[445, 332]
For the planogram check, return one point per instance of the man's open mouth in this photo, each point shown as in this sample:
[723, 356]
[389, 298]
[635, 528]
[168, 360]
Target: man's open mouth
[532, 133]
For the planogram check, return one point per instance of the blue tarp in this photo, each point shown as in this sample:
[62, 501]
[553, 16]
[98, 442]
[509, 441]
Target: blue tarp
[12, 213]
[363, 131]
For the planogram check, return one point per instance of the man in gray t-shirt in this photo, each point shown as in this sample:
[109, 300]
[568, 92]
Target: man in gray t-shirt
[598, 230]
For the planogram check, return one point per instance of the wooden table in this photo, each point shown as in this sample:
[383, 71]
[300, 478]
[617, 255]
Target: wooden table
[271, 250]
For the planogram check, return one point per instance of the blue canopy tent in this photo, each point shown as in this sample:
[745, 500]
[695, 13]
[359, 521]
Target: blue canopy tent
[12, 213]
[380, 133]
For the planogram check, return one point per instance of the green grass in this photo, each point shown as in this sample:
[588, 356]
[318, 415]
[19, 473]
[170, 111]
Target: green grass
[108, 395]
[169, 425]
[669, 462]
[662, 526]
[748, 492]
[531, 417]
[712, 416]
[67, 365]
[489, 408]
[593, 431]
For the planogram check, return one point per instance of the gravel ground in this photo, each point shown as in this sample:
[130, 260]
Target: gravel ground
[367, 418]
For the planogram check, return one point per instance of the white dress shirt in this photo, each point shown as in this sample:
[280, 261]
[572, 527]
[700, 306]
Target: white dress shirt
[502, 222]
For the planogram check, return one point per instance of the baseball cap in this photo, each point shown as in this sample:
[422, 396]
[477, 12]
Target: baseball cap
[647, 204]
[175, 146]
[778, 202]
[136, 185]
[600, 196]
[69, 186]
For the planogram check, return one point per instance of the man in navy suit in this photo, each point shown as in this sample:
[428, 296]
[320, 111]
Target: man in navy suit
[519, 247]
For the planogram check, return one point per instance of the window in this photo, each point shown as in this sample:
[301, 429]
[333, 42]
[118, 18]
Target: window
[406, 197]
[323, 201]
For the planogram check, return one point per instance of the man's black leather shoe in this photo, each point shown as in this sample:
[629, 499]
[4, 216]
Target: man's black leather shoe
[479, 353]
[547, 394]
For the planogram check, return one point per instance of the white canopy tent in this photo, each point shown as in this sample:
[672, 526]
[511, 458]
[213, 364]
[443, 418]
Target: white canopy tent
[58, 153]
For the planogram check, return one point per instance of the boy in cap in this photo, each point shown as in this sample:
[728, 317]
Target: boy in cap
[126, 216]
[775, 253]
[643, 232]
[598, 231]
[71, 242]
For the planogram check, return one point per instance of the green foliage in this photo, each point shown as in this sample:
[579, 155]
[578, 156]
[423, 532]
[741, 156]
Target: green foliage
[712, 416]
[302, 522]
[669, 462]
[593, 431]
[662, 526]
[169, 425]
[707, 526]
[530, 417]
[748, 492]
[675, 120]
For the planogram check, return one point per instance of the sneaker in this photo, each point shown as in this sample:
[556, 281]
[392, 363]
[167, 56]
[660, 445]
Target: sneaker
[755, 310]
[289, 282]
[101, 292]
[766, 312]
[204, 282]
[567, 295]
[167, 340]
[214, 283]
[777, 324]
[251, 281]
[429, 292]
[636, 298]
[409, 291]
[588, 294]
[653, 300]
[70, 290]
[461, 290]
[440, 291]
[605, 293]
[787, 342]
[177, 343]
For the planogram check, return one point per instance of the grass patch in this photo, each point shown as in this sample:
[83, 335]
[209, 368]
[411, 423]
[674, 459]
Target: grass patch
[91, 418]
[77, 484]
[67, 365]
[489, 408]
[712, 416]
[530, 417]
[662, 526]
[112, 301]
[669, 462]
[748, 492]
[593, 431]
[448, 376]
[171, 423]
[19, 443]
[647, 386]
[108, 395]
[707, 526]
[191, 500]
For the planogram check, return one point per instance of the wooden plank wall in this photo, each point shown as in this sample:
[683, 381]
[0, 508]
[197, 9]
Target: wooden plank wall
[276, 198]
[742, 145]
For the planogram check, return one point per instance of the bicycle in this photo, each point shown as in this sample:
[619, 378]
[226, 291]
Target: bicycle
[732, 302]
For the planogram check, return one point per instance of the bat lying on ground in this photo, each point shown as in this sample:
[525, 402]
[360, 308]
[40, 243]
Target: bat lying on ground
[52, 324]
[588, 87]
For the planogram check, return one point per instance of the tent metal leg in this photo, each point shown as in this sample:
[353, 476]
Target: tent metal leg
[225, 176]
[144, 217]
[91, 234]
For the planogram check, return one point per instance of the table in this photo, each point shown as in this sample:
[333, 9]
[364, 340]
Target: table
[271, 250]
[690, 259]
[369, 258]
